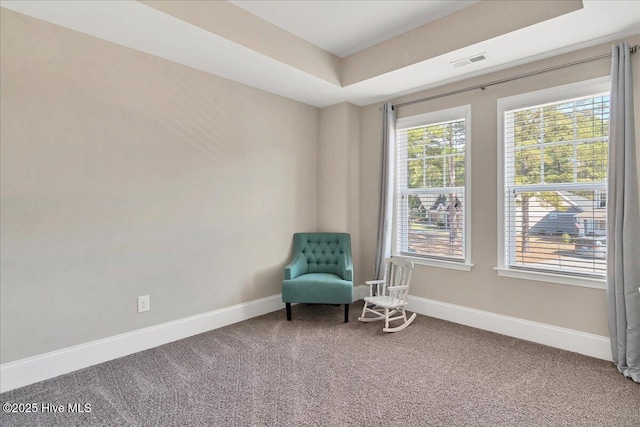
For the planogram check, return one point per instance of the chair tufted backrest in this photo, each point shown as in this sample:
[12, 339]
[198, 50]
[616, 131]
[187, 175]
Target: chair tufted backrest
[324, 252]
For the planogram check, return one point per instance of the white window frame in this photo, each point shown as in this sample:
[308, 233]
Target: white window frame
[427, 119]
[550, 95]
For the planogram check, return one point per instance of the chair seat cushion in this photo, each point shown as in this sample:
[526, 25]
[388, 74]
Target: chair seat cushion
[385, 301]
[318, 288]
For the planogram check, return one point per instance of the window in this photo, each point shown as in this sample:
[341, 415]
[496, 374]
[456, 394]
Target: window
[554, 172]
[431, 191]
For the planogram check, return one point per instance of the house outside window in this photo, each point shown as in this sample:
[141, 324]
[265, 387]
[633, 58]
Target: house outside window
[554, 152]
[431, 217]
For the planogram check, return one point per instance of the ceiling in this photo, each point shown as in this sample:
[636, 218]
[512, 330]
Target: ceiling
[326, 52]
[346, 27]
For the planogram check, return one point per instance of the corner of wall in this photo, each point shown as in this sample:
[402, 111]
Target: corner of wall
[338, 177]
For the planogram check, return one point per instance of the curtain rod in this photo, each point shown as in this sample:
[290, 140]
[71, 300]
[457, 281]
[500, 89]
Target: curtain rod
[509, 79]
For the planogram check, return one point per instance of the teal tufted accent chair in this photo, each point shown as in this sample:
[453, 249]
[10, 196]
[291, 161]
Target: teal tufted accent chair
[320, 271]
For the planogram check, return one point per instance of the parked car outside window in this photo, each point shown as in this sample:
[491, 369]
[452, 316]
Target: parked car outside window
[592, 246]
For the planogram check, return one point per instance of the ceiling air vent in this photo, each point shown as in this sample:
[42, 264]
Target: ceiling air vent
[470, 60]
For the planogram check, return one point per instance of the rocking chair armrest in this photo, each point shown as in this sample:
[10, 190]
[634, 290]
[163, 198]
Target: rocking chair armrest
[393, 288]
[378, 284]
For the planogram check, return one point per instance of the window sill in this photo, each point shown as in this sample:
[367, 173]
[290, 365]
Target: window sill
[463, 266]
[585, 282]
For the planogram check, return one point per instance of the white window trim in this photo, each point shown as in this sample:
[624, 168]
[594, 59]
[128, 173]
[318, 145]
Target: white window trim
[550, 95]
[433, 262]
[425, 119]
[538, 276]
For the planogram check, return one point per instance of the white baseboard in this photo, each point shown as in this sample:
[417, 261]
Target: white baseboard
[597, 346]
[360, 291]
[38, 368]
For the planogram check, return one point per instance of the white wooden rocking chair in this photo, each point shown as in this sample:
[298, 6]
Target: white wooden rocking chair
[390, 296]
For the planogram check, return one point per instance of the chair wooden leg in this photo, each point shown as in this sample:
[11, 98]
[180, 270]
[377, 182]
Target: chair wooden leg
[346, 313]
[288, 311]
[364, 312]
[386, 318]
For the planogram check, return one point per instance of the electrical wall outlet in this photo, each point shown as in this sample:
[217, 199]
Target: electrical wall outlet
[143, 303]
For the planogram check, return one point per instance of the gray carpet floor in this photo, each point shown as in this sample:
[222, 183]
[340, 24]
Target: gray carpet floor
[318, 371]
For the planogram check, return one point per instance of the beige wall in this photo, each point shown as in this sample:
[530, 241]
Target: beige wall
[338, 174]
[573, 307]
[124, 175]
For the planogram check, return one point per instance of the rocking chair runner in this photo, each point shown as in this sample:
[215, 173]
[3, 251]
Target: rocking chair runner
[390, 297]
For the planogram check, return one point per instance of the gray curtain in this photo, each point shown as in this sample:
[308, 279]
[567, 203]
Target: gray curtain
[623, 228]
[385, 212]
